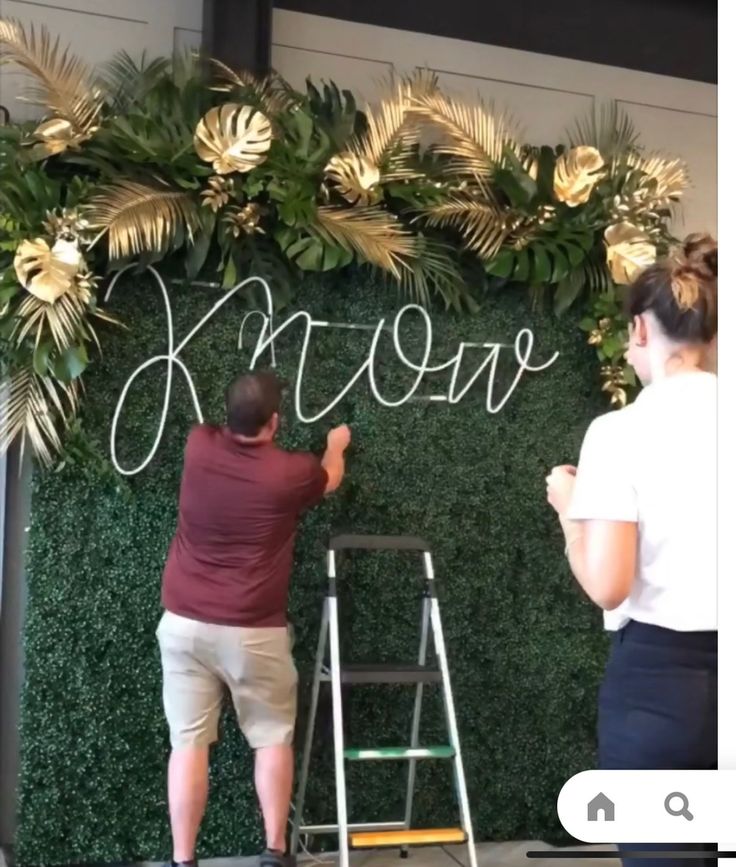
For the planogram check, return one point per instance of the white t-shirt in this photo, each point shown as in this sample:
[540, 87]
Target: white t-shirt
[654, 462]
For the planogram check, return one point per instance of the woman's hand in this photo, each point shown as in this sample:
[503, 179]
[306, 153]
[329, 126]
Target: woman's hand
[560, 486]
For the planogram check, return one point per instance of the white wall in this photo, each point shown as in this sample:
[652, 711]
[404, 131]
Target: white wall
[545, 93]
[96, 29]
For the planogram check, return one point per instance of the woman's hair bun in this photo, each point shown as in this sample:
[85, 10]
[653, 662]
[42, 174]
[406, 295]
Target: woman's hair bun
[701, 254]
[694, 269]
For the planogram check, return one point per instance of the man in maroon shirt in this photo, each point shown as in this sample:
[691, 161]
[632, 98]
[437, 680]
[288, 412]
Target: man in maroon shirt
[225, 588]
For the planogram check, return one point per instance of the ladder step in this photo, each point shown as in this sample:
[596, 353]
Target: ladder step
[415, 837]
[390, 673]
[358, 754]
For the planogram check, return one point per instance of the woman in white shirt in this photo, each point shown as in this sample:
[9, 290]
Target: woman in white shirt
[639, 519]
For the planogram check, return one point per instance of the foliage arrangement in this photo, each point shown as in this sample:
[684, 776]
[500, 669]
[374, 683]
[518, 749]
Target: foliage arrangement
[143, 160]
[525, 649]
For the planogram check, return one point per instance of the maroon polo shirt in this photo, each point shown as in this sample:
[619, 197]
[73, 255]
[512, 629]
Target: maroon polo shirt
[239, 506]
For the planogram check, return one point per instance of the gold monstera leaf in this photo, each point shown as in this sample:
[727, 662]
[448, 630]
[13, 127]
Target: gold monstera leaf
[233, 137]
[56, 135]
[577, 171]
[47, 272]
[629, 251]
[355, 177]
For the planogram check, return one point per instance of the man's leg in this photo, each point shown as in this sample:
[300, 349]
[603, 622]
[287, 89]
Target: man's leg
[188, 784]
[274, 775]
[260, 673]
[192, 698]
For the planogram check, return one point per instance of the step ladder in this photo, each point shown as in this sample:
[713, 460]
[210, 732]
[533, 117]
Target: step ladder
[383, 834]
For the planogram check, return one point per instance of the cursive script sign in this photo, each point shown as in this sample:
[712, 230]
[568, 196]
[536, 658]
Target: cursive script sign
[266, 343]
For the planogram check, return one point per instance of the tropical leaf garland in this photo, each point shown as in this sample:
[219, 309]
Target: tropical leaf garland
[148, 157]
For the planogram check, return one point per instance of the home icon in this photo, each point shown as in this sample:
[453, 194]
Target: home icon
[601, 805]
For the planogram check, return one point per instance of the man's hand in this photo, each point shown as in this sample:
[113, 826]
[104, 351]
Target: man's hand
[560, 485]
[339, 438]
[333, 460]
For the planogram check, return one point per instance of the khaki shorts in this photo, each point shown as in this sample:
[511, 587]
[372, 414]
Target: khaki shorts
[201, 660]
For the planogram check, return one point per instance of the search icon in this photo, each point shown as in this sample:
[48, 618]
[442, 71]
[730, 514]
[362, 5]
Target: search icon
[683, 810]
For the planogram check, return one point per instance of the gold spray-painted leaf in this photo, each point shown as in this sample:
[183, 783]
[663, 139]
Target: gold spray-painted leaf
[355, 177]
[476, 137]
[55, 136]
[669, 175]
[628, 252]
[142, 218]
[374, 234]
[47, 272]
[33, 408]
[577, 171]
[63, 83]
[234, 138]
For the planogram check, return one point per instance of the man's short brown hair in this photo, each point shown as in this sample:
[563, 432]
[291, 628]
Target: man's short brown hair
[251, 400]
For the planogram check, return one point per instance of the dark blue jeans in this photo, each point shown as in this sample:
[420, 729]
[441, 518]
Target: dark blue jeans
[657, 710]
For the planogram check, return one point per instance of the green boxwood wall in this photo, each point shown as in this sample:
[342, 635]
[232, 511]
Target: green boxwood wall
[525, 649]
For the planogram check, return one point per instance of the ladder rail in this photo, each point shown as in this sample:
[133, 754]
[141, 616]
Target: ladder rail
[337, 715]
[449, 702]
[309, 735]
[417, 715]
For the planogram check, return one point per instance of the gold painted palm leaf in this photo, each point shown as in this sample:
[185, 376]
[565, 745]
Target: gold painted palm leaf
[476, 137]
[64, 321]
[371, 232]
[63, 84]
[670, 175]
[481, 223]
[142, 218]
[31, 410]
[392, 129]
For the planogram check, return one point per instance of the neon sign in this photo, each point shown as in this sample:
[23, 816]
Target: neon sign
[266, 343]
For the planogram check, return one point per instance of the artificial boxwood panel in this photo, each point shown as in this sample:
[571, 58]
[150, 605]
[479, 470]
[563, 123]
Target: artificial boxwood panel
[525, 649]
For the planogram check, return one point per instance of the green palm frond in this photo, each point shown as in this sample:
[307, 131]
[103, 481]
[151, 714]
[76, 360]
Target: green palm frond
[482, 224]
[143, 218]
[126, 80]
[32, 409]
[271, 94]
[434, 270]
[374, 234]
[476, 136]
[608, 128]
[62, 83]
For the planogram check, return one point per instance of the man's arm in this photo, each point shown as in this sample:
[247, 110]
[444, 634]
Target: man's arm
[333, 460]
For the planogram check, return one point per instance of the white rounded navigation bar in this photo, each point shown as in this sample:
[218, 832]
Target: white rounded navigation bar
[649, 806]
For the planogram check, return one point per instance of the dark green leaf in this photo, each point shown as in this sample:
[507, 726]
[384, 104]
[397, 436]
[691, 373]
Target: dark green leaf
[41, 357]
[568, 290]
[542, 266]
[502, 264]
[522, 267]
[197, 252]
[70, 364]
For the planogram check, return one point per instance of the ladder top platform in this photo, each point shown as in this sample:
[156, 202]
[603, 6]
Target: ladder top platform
[346, 542]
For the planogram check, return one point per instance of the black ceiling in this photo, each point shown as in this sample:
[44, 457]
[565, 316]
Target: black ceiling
[669, 37]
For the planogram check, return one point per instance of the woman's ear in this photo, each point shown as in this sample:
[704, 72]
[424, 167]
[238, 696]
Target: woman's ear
[710, 356]
[639, 331]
